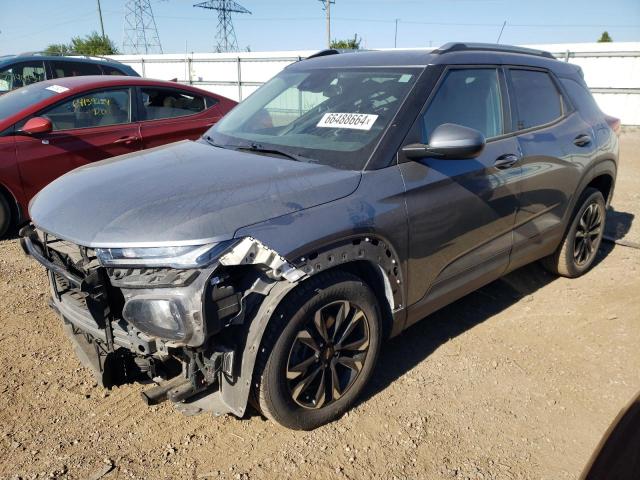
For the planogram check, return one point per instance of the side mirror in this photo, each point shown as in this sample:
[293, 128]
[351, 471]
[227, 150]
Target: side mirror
[37, 125]
[448, 141]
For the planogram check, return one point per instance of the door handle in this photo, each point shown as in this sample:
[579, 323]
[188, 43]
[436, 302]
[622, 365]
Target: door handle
[506, 161]
[127, 140]
[582, 140]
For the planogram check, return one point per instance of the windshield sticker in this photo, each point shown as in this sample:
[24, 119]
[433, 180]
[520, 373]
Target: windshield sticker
[356, 121]
[57, 88]
[405, 78]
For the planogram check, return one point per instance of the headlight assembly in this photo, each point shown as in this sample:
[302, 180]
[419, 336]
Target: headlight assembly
[161, 317]
[186, 256]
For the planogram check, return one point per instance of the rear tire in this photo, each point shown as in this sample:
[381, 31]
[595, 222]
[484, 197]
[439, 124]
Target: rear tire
[318, 351]
[579, 247]
[5, 216]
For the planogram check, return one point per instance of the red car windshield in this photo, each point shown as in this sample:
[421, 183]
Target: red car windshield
[17, 100]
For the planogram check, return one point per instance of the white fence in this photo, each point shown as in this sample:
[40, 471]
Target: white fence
[612, 71]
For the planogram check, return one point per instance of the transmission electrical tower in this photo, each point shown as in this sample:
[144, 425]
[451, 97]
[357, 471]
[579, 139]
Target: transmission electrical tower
[140, 30]
[326, 5]
[226, 34]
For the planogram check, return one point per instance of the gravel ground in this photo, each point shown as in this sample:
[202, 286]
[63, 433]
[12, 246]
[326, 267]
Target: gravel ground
[518, 380]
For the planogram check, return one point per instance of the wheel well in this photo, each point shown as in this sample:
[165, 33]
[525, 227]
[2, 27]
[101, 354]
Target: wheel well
[374, 277]
[13, 205]
[603, 183]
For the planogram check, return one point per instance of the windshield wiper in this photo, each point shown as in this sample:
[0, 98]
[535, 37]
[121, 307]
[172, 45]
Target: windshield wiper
[270, 151]
[210, 141]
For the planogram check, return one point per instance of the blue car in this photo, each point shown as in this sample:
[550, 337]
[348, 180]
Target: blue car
[19, 70]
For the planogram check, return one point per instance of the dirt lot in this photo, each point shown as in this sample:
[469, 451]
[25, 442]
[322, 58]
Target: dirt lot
[518, 380]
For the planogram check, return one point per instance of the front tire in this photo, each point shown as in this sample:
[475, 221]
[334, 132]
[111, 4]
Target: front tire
[318, 351]
[5, 216]
[579, 247]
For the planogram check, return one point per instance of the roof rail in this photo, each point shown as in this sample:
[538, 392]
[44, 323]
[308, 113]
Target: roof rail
[68, 54]
[324, 53]
[489, 47]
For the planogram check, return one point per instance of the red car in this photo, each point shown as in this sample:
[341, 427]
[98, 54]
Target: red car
[52, 127]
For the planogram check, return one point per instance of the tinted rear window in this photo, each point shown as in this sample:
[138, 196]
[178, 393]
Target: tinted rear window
[108, 70]
[582, 100]
[537, 99]
[74, 69]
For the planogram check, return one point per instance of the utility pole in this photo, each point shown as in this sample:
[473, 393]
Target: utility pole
[100, 15]
[395, 38]
[326, 5]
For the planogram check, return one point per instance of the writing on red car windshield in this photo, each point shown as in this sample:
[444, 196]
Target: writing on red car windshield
[97, 106]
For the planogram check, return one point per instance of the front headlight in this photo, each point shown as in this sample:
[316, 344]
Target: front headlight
[160, 317]
[186, 256]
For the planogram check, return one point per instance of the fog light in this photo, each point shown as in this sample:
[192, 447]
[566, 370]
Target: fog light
[156, 316]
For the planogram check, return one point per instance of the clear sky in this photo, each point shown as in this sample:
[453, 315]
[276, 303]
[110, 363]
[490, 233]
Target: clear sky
[299, 24]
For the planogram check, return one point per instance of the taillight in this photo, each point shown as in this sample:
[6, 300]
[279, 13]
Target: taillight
[614, 123]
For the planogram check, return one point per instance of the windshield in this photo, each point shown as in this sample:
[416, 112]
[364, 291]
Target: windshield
[17, 100]
[330, 116]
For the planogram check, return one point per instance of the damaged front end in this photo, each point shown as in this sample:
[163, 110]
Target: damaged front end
[178, 316]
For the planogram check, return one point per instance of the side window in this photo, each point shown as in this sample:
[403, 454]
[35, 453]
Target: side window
[467, 97]
[74, 69]
[107, 70]
[21, 75]
[168, 103]
[582, 100]
[94, 109]
[211, 101]
[536, 97]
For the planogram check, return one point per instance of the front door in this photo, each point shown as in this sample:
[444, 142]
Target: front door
[87, 128]
[461, 211]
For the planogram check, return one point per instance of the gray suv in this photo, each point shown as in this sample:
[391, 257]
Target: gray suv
[349, 197]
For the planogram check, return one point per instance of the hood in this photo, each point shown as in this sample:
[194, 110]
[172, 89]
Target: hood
[186, 193]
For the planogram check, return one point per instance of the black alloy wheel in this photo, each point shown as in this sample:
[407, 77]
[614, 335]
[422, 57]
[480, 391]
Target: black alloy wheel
[328, 354]
[588, 231]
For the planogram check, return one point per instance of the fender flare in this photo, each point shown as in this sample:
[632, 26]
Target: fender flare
[235, 395]
[603, 167]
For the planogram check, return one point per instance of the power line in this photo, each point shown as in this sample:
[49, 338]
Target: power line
[226, 34]
[390, 21]
[140, 30]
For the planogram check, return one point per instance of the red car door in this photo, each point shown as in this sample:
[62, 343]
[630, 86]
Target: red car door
[89, 127]
[171, 114]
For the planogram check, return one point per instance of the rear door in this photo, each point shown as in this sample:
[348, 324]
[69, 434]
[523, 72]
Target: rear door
[89, 127]
[553, 139]
[171, 114]
[461, 211]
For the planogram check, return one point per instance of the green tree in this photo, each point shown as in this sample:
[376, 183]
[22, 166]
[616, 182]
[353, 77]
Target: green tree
[58, 49]
[605, 37]
[93, 44]
[349, 44]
